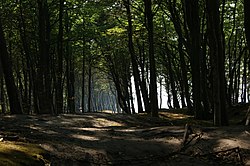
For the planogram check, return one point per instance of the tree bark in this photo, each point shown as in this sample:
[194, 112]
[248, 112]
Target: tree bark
[247, 21]
[83, 68]
[193, 22]
[217, 62]
[59, 65]
[5, 63]
[136, 73]
[89, 87]
[143, 84]
[69, 58]
[2, 92]
[177, 24]
[153, 84]
[43, 79]
[29, 72]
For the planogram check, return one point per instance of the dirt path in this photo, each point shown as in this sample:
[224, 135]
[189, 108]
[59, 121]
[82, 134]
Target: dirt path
[112, 139]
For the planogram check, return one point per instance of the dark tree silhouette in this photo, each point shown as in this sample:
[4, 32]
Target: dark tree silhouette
[5, 63]
[217, 63]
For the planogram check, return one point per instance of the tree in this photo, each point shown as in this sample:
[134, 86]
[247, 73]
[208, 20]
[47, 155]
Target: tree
[136, 73]
[2, 91]
[5, 63]
[59, 71]
[175, 18]
[153, 85]
[43, 77]
[193, 21]
[247, 21]
[70, 75]
[217, 62]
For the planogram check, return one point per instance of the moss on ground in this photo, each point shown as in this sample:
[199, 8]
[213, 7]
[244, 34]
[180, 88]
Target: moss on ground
[19, 153]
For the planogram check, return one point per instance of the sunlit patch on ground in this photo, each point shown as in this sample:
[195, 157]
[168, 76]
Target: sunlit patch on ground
[100, 122]
[174, 116]
[85, 137]
[18, 153]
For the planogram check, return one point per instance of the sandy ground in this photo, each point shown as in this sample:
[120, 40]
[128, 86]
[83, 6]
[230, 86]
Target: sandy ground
[118, 139]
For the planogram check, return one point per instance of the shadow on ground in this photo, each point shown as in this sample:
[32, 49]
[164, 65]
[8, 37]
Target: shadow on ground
[118, 139]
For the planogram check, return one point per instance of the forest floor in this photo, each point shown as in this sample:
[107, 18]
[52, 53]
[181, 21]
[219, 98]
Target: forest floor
[119, 139]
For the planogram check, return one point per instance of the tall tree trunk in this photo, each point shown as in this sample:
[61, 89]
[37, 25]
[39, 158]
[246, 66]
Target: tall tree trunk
[168, 93]
[2, 91]
[230, 90]
[204, 84]
[30, 71]
[28, 67]
[167, 59]
[83, 68]
[177, 24]
[143, 84]
[43, 79]
[217, 60]
[153, 84]
[247, 22]
[136, 73]
[70, 71]
[89, 87]
[193, 21]
[59, 71]
[5, 63]
[244, 80]
[120, 82]
[131, 97]
[171, 77]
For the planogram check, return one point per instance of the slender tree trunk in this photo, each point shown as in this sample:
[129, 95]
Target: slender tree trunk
[127, 93]
[69, 69]
[247, 28]
[121, 95]
[89, 87]
[2, 91]
[183, 103]
[230, 90]
[244, 80]
[83, 68]
[171, 78]
[217, 58]
[43, 77]
[168, 93]
[136, 73]
[167, 59]
[131, 98]
[204, 84]
[177, 24]
[59, 71]
[143, 84]
[5, 63]
[160, 93]
[30, 72]
[153, 84]
[193, 21]
[247, 21]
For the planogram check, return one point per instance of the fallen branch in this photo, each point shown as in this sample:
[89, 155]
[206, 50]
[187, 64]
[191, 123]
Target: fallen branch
[187, 133]
[221, 151]
[226, 152]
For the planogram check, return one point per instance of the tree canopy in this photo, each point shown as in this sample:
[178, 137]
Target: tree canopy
[72, 56]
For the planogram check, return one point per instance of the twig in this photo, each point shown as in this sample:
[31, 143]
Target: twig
[236, 149]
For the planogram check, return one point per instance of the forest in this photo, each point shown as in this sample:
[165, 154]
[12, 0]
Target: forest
[78, 77]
